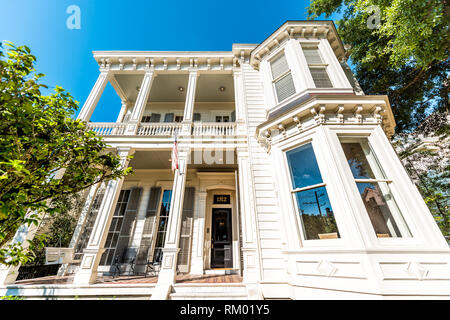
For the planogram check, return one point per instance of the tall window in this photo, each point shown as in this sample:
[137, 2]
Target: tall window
[317, 67]
[162, 225]
[373, 187]
[311, 195]
[282, 78]
[115, 227]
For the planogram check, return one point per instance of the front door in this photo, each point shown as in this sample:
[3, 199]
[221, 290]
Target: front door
[221, 241]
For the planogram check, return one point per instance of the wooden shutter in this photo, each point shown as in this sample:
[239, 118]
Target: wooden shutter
[147, 233]
[155, 117]
[124, 253]
[168, 117]
[312, 56]
[89, 224]
[187, 221]
[197, 116]
[233, 116]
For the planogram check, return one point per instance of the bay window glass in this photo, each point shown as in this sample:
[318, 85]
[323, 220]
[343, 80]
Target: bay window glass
[282, 78]
[373, 186]
[310, 194]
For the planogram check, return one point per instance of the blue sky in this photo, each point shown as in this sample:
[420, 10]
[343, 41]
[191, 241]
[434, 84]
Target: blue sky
[65, 56]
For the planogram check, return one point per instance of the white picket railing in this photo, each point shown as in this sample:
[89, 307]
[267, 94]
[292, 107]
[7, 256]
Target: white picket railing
[214, 129]
[107, 128]
[158, 129]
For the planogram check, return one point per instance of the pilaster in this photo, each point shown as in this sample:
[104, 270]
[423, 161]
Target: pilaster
[87, 273]
[198, 240]
[248, 220]
[239, 100]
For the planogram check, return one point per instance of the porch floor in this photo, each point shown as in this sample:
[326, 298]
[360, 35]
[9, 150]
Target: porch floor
[181, 278]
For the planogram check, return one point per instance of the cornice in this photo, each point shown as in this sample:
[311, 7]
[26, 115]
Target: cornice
[308, 111]
[303, 30]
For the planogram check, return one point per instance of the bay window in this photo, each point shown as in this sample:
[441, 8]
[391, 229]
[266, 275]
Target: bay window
[373, 186]
[310, 194]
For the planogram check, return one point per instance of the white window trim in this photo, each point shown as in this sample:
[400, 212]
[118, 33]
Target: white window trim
[273, 57]
[311, 137]
[324, 65]
[401, 200]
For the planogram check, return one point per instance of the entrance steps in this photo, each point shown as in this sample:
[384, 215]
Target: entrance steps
[208, 291]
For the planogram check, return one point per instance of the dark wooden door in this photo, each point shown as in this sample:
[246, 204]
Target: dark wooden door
[221, 239]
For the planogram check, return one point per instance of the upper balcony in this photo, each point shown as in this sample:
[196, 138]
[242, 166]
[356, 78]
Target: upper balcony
[160, 103]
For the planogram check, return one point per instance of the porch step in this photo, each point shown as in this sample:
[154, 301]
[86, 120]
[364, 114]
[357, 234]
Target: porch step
[209, 291]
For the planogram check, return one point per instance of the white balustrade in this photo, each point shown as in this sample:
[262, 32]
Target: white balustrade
[164, 129]
[214, 129]
[158, 129]
[107, 128]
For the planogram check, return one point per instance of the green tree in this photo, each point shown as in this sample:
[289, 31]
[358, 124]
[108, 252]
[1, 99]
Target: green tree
[425, 154]
[399, 48]
[38, 138]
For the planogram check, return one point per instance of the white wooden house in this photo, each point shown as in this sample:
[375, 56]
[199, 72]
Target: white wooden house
[286, 178]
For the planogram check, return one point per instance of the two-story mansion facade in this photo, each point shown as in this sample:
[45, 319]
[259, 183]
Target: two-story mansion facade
[286, 178]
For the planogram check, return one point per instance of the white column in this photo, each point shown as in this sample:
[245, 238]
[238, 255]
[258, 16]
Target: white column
[239, 100]
[248, 220]
[141, 102]
[122, 112]
[198, 239]
[87, 273]
[190, 101]
[93, 98]
[171, 247]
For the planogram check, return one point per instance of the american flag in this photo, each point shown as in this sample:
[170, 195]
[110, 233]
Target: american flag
[175, 153]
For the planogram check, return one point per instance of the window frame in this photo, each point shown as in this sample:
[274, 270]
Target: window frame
[311, 137]
[324, 65]
[375, 136]
[376, 164]
[157, 219]
[281, 76]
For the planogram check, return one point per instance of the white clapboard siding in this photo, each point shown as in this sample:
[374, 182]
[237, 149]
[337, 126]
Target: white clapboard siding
[266, 202]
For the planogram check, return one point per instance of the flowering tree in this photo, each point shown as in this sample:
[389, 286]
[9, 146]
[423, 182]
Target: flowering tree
[425, 154]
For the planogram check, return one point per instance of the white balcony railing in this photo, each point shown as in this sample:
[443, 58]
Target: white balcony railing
[214, 129]
[107, 128]
[165, 129]
[158, 129]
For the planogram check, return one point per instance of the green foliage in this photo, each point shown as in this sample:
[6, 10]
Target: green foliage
[56, 230]
[39, 138]
[12, 298]
[406, 57]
